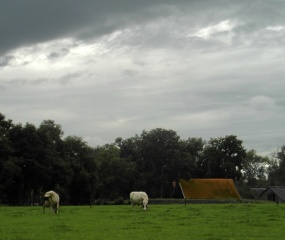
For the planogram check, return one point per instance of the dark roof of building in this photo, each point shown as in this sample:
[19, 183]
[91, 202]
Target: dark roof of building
[277, 190]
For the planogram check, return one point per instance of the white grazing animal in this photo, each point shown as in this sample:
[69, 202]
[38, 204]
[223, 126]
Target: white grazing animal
[51, 200]
[139, 198]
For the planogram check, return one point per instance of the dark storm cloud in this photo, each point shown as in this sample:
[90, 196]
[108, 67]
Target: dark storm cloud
[33, 21]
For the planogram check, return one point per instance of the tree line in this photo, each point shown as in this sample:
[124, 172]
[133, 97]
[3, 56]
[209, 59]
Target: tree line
[37, 159]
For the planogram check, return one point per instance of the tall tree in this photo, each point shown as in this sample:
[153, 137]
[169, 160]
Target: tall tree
[159, 152]
[255, 169]
[11, 186]
[223, 157]
[81, 176]
[129, 148]
[191, 150]
[10, 172]
[50, 135]
[5, 148]
[277, 168]
[28, 152]
[254, 173]
[115, 174]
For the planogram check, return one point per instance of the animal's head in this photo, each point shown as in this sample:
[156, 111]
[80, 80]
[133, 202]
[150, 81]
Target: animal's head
[49, 194]
[144, 202]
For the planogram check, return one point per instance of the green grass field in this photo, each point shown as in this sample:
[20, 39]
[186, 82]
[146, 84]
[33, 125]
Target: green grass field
[160, 221]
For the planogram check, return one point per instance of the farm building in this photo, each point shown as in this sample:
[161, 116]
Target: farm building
[211, 188]
[273, 193]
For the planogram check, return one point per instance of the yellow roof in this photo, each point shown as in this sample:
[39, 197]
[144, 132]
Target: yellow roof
[209, 188]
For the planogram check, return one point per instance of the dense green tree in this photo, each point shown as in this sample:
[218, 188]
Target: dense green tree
[34, 160]
[80, 171]
[129, 148]
[52, 156]
[11, 183]
[52, 135]
[159, 155]
[255, 169]
[191, 151]
[222, 158]
[6, 160]
[115, 174]
[29, 154]
[157, 148]
[5, 148]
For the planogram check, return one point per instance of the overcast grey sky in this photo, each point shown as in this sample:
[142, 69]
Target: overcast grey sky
[108, 69]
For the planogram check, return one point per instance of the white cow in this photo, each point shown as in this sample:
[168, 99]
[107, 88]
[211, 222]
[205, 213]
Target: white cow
[139, 198]
[51, 200]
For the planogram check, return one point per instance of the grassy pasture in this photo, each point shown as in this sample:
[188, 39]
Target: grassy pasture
[160, 221]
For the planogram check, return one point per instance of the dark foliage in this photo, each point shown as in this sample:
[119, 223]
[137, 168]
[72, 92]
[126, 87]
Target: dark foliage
[37, 159]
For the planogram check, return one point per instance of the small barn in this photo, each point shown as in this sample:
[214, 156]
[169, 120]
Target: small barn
[209, 188]
[273, 193]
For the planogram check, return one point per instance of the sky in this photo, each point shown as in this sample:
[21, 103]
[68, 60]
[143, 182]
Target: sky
[108, 69]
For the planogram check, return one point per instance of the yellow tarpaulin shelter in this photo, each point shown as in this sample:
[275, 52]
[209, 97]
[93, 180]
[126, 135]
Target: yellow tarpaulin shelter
[209, 188]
